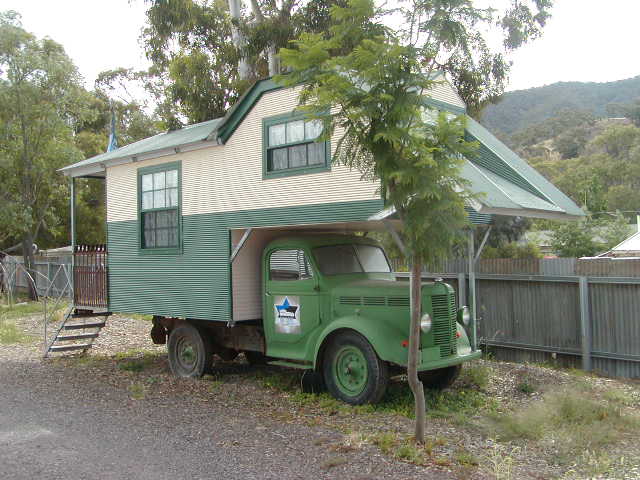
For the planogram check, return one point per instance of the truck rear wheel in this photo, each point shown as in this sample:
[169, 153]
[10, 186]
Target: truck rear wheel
[352, 370]
[190, 351]
[440, 378]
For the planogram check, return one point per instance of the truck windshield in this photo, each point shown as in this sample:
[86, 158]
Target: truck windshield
[354, 258]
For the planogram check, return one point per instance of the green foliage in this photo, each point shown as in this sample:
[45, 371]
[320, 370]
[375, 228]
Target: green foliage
[589, 236]
[513, 250]
[41, 101]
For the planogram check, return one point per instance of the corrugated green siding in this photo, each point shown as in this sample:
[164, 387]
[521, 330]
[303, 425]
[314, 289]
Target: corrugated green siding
[196, 283]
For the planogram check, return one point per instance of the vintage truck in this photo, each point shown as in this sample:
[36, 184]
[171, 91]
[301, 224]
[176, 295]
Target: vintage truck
[332, 304]
[225, 232]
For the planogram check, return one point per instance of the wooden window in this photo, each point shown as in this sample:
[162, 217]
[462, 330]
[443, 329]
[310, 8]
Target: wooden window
[290, 146]
[159, 208]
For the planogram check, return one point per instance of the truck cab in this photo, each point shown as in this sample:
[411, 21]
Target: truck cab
[320, 291]
[332, 305]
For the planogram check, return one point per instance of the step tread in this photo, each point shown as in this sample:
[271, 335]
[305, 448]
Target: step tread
[79, 326]
[65, 348]
[90, 314]
[80, 336]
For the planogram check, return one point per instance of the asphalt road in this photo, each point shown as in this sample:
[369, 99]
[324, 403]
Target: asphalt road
[58, 423]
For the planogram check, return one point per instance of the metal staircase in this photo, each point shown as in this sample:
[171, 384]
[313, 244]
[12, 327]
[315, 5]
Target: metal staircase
[85, 326]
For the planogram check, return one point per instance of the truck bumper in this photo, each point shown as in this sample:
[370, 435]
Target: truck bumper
[447, 362]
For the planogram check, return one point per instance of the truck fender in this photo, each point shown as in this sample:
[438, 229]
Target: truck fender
[377, 333]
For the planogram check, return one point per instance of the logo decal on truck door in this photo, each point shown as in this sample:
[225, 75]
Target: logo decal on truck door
[287, 314]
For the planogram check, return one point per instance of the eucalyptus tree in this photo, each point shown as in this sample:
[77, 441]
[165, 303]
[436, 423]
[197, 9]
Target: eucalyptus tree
[41, 99]
[375, 93]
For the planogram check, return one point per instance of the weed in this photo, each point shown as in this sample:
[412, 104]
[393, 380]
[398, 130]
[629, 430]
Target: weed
[464, 457]
[620, 397]
[10, 334]
[283, 381]
[334, 462]
[526, 386]
[214, 386]
[137, 391]
[410, 452]
[442, 462]
[135, 365]
[475, 376]
[385, 441]
[502, 461]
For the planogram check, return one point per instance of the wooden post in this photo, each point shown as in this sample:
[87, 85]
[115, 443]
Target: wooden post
[472, 292]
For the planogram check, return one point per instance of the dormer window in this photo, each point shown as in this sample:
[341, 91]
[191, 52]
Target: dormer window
[290, 146]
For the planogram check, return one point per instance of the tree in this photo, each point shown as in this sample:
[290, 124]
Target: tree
[374, 93]
[589, 236]
[41, 99]
[205, 55]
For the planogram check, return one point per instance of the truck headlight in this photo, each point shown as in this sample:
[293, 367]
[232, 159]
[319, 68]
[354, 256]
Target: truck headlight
[425, 323]
[464, 316]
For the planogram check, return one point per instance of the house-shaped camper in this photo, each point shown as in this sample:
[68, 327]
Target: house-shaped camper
[179, 203]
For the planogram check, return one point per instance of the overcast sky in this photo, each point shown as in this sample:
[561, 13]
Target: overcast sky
[586, 40]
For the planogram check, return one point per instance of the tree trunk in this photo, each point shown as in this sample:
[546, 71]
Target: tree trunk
[27, 255]
[244, 71]
[274, 61]
[414, 349]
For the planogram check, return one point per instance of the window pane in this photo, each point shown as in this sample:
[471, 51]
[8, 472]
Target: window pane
[147, 182]
[289, 265]
[277, 135]
[337, 259]
[172, 178]
[162, 219]
[147, 200]
[149, 220]
[162, 237]
[172, 197]
[295, 131]
[158, 198]
[298, 156]
[279, 159]
[173, 237]
[149, 238]
[372, 259]
[313, 129]
[316, 153]
[158, 180]
[172, 220]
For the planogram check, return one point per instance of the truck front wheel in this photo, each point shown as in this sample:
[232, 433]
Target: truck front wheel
[190, 351]
[352, 370]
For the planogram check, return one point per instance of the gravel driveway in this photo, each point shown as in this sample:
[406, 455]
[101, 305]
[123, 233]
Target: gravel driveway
[67, 422]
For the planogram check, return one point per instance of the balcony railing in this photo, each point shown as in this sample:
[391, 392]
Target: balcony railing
[90, 276]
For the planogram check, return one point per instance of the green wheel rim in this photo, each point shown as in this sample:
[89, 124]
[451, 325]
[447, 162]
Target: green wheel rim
[187, 355]
[350, 370]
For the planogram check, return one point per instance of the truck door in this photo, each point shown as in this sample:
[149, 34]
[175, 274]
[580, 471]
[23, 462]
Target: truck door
[291, 304]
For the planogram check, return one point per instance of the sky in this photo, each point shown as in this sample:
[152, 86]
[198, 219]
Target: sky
[585, 40]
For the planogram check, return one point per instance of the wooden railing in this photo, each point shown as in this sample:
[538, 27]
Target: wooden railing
[90, 276]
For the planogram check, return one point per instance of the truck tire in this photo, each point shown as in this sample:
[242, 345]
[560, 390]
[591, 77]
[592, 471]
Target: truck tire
[190, 351]
[440, 378]
[352, 370]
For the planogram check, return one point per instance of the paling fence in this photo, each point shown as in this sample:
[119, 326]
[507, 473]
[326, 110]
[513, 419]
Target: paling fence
[581, 313]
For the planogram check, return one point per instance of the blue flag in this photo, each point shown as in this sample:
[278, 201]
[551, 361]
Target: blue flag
[113, 140]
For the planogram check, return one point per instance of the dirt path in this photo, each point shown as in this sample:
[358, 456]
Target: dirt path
[94, 421]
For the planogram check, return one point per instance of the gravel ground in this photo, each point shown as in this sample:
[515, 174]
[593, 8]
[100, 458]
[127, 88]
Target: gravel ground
[86, 418]
[118, 413]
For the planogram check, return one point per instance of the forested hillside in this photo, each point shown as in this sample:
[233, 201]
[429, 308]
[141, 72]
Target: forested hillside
[522, 108]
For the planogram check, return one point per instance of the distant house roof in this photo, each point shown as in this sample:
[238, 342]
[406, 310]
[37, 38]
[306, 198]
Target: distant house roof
[628, 248]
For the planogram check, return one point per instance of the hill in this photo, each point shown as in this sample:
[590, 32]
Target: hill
[521, 108]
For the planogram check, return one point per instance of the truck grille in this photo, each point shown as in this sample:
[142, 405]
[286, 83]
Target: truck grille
[375, 301]
[444, 323]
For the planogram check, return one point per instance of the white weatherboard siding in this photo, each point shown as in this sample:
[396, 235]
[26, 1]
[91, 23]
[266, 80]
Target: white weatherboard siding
[444, 92]
[247, 273]
[229, 177]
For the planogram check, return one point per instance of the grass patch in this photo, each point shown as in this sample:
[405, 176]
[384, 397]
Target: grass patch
[527, 385]
[10, 334]
[137, 391]
[475, 376]
[571, 420]
[21, 309]
[141, 361]
[465, 458]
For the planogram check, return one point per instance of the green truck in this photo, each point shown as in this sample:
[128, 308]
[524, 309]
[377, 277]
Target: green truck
[331, 305]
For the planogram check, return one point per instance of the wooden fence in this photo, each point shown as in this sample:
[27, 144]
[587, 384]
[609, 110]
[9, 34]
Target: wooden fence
[581, 313]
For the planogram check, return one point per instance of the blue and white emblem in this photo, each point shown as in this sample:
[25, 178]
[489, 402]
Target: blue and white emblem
[287, 314]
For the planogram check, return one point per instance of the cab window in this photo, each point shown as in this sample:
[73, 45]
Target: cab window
[289, 265]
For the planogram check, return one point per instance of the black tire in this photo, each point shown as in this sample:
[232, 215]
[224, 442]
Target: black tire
[255, 358]
[190, 351]
[440, 378]
[372, 382]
